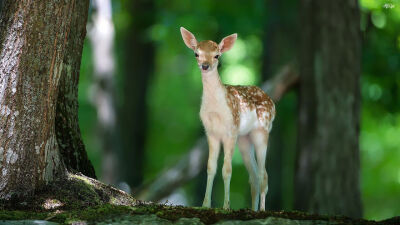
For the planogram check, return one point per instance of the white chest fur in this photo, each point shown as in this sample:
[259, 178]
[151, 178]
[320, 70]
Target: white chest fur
[248, 121]
[215, 114]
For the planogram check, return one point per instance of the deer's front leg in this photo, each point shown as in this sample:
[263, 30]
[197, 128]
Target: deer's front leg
[213, 152]
[229, 144]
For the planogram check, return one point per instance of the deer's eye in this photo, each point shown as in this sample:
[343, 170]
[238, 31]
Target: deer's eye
[217, 56]
[196, 55]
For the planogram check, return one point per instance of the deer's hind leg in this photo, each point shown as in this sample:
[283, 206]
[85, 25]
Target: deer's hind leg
[250, 163]
[259, 138]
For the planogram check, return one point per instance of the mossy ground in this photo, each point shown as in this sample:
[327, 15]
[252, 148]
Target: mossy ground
[207, 216]
[79, 198]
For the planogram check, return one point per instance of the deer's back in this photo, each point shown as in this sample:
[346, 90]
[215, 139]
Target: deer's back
[245, 101]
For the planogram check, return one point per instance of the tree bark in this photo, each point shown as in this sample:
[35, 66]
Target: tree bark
[67, 126]
[328, 164]
[40, 46]
[1, 6]
[138, 67]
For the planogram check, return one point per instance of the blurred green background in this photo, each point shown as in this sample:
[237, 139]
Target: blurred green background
[267, 39]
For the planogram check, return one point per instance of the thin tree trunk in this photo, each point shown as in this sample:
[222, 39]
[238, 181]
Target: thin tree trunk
[328, 164]
[280, 34]
[101, 35]
[36, 40]
[274, 159]
[138, 64]
[271, 27]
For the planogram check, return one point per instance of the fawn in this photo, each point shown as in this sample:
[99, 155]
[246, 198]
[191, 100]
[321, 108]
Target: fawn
[229, 114]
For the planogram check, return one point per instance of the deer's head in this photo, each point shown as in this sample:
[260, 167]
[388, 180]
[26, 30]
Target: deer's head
[208, 52]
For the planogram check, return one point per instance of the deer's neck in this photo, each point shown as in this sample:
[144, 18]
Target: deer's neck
[213, 89]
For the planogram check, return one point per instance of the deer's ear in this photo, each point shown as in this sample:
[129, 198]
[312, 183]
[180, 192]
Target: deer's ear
[189, 38]
[227, 43]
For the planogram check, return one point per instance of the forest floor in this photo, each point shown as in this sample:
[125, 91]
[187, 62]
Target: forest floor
[82, 200]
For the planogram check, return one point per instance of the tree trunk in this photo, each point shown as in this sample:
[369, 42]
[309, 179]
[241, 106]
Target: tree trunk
[280, 34]
[328, 164]
[41, 45]
[138, 67]
[1, 6]
[101, 34]
[67, 126]
[269, 58]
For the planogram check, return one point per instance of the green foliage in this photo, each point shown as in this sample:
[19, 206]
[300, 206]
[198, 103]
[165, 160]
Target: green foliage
[87, 111]
[380, 124]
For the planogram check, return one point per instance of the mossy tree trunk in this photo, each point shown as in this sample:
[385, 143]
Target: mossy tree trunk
[328, 164]
[40, 51]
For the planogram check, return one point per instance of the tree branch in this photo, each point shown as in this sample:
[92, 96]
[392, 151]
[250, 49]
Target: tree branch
[281, 83]
[192, 163]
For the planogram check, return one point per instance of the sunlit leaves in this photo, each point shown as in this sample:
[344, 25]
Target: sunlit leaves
[371, 4]
[237, 53]
[380, 131]
[378, 19]
[238, 75]
[380, 156]
[239, 63]
[371, 91]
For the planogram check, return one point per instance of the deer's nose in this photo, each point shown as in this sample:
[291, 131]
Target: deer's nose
[205, 66]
